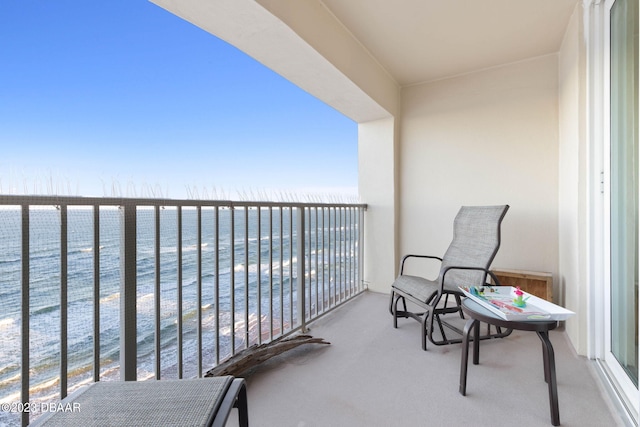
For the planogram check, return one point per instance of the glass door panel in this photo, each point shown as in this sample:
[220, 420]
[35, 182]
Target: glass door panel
[624, 185]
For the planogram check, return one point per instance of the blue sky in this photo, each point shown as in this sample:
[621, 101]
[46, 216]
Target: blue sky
[122, 96]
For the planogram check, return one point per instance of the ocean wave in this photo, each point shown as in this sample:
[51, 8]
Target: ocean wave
[145, 300]
[110, 298]
[4, 324]
[194, 247]
[15, 260]
[45, 310]
[11, 380]
[191, 314]
[174, 249]
[90, 249]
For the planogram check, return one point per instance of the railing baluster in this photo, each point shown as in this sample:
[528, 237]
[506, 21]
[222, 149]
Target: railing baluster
[281, 261]
[361, 248]
[128, 288]
[351, 251]
[309, 264]
[199, 289]
[96, 293]
[336, 254]
[179, 287]
[341, 254]
[354, 246]
[348, 250]
[157, 293]
[322, 244]
[302, 318]
[291, 267]
[316, 239]
[233, 279]
[270, 273]
[24, 313]
[328, 260]
[64, 305]
[216, 281]
[246, 277]
[259, 278]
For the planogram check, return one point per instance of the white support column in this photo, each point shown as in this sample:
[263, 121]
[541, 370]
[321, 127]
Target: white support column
[377, 187]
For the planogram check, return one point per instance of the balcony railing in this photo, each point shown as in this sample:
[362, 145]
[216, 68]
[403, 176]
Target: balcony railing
[114, 288]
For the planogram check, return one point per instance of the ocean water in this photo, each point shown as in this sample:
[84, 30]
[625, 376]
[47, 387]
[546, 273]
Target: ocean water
[250, 262]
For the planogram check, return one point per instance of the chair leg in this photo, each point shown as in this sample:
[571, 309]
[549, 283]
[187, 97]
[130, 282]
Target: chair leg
[459, 302]
[394, 310]
[241, 405]
[395, 313]
[391, 302]
[464, 362]
[426, 325]
[440, 326]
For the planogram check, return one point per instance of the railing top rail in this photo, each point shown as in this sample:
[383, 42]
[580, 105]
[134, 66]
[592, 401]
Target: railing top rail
[8, 200]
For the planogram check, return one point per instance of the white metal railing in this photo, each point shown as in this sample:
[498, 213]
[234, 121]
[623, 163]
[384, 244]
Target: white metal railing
[114, 288]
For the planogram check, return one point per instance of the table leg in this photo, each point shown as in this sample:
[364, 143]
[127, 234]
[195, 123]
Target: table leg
[476, 343]
[550, 376]
[545, 358]
[464, 361]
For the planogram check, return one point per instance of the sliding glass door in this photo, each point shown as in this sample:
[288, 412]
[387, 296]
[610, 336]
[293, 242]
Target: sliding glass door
[623, 191]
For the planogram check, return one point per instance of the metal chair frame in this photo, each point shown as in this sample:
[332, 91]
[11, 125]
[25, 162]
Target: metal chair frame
[435, 306]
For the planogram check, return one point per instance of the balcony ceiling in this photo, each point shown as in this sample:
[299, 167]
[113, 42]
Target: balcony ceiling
[417, 41]
[355, 54]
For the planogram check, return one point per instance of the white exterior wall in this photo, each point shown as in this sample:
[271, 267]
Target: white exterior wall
[484, 138]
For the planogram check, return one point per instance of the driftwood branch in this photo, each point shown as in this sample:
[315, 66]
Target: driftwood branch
[257, 354]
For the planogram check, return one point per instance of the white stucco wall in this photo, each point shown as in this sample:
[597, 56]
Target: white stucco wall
[484, 138]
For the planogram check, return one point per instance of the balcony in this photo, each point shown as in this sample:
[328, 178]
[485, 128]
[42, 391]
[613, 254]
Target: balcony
[177, 287]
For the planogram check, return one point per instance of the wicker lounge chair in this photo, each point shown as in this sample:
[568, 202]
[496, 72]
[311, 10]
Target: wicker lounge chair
[476, 239]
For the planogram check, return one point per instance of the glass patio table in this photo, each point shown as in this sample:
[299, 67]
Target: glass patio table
[477, 313]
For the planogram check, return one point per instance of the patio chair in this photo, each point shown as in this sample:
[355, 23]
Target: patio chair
[476, 240]
[171, 402]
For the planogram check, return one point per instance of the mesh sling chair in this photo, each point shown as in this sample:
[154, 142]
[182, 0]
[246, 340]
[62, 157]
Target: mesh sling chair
[476, 240]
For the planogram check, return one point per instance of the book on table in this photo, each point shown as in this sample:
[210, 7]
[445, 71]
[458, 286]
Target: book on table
[500, 300]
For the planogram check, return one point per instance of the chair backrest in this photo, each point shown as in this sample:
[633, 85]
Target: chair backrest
[476, 240]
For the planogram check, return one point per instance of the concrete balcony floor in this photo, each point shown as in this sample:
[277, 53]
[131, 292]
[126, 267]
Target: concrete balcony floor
[375, 375]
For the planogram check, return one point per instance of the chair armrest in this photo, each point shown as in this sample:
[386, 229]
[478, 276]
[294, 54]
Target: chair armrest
[404, 258]
[453, 267]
